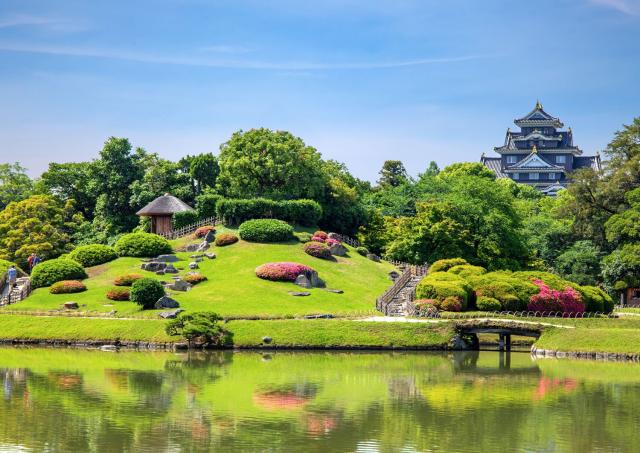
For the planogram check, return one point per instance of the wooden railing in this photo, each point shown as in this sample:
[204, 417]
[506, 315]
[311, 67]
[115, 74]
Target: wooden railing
[382, 303]
[17, 294]
[188, 229]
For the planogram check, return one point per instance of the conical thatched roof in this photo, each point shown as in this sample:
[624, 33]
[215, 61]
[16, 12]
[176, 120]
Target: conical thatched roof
[165, 205]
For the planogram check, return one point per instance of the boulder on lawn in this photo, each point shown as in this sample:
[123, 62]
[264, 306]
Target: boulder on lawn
[191, 247]
[193, 265]
[316, 281]
[373, 257]
[159, 272]
[303, 281]
[169, 269]
[209, 237]
[179, 285]
[299, 293]
[393, 275]
[70, 305]
[167, 302]
[153, 266]
[173, 314]
[204, 245]
[338, 250]
[167, 258]
[335, 291]
[210, 255]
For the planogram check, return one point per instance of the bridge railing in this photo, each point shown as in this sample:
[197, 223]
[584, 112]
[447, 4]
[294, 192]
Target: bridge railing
[382, 303]
[188, 229]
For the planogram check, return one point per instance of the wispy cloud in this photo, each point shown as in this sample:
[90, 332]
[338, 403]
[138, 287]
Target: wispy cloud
[630, 7]
[221, 48]
[50, 23]
[229, 63]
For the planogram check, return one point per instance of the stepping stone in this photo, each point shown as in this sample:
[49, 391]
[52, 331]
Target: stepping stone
[335, 291]
[167, 302]
[299, 293]
[170, 314]
[327, 316]
[70, 305]
[167, 258]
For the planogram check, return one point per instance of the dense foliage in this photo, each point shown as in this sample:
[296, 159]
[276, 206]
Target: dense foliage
[203, 326]
[67, 287]
[194, 278]
[51, 271]
[93, 254]
[146, 292]
[281, 271]
[301, 212]
[126, 279]
[317, 249]
[119, 294]
[142, 245]
[224, 239]
[265, 230]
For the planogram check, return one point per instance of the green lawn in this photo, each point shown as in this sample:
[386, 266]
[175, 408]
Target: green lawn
[233, 290]
[614, 340]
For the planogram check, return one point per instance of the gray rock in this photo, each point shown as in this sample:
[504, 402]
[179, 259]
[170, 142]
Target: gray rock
[335, 236]
[196, 256]
[299, 293]
[373, 257]
[335, 291]
[70, 305]
[154, 266]
[327, 316]
[267, 340]
[159, 272]
[167, 258]
[393, 275]
[303, 281]
[170, 314]
[179, 285]
[169, 269]
[191, 247]
[198, 259]
[193, 265]
[338, 250]
[203, 246]
[209, 237]
[211, 256]
[109, 348]
[316, 281]
[167, 302]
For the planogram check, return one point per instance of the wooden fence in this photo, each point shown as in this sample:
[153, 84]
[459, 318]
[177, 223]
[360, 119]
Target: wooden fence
[185, 230]
[382, 303]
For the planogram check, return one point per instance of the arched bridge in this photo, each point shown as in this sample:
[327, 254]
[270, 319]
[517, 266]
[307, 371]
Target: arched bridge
[504, 328]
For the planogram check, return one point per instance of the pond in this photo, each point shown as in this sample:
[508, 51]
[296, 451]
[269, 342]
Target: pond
[90, 401]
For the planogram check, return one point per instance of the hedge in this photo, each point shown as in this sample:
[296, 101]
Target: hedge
[488, 304]
[206, 204]
[303, 237]
[93, 254]
[67, 287]
[265, 230]
[301, 212]
[51, 271]
[142, 245]
[467, 270]
[184, 218]
[445, 265]
[146, 292]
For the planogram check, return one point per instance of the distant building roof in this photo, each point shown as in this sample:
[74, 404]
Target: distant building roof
[538, 117]
[164, 205]
[495, 165]
[587, 162]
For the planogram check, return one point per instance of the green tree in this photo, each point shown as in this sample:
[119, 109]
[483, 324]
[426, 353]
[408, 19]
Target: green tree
[621, 269]
[15, 185]
[624, 227]
[466, 169]
[71, 181]
[200, 325]
[393, 174]
[160, 176]
[270, 164]
[580, 263]
[432, 169]
[204, 170]
[40, 224]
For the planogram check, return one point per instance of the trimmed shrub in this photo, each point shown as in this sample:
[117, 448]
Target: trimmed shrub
[445, 265]
[426, 308]
[467, 270]
[282, 271]
[595, 299]
[444, 277]
[452, 303]
[317, 249]
[142, 245]
[440, 290]
[503, 292]
[236, 211]
[51, 271]
[512, 292]
[67, 287]
[266, 230]
[317, 239]
[203, 230]
[184, 218]
[331, 242]
[127, 279]
[565, 301]
[203, 326]
[321, 234]
[303, 237]
[146, 292]
[224, 239]
[194, 279]
[362, 251]
[485, 303]
[206, 204]
[93, 254]
[118, 294]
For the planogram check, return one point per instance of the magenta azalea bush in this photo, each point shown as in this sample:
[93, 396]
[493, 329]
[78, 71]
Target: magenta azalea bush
[317, 249]
[331, 242]
[321, 234]
[317, 239]
[282, 271]
[567, 301]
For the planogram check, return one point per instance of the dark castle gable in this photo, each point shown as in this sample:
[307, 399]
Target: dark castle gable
[539, 154]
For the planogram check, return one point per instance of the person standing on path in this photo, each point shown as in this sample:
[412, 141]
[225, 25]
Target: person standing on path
[35, 261]
[12, 275]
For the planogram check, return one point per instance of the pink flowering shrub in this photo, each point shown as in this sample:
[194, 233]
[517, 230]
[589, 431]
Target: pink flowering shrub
[321, 234]
[317, 249]
[567, 301]
[281, 271]
[331, 242]
[317, 239]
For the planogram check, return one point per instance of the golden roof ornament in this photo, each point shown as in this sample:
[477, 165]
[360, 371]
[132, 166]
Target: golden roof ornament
[538, 105]
[534, 150]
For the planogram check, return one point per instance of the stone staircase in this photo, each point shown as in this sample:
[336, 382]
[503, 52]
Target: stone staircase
[11, 295]
[397, 300]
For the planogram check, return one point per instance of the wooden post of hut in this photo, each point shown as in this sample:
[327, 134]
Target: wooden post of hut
[161, 211]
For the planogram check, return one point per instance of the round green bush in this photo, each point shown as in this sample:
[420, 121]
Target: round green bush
[93, 254]
[452, 303]
[265, 230]
[225, 239]
[445, 265]
[485, 303]
[146, 292]
[51, 271]
[362, 251]
[304, 237]
[67, 287]
[595, 299]
[142, 245]
[118, 294]
[318, 250]
[467, 270]
[441, 290]
[127, 279]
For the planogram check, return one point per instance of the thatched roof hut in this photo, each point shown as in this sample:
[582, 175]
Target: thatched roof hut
[161, 211]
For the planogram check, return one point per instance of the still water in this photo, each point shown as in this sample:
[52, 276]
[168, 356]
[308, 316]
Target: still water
[90, 401]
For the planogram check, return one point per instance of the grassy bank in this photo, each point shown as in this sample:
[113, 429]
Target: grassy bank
[285, 333]
[622, 340]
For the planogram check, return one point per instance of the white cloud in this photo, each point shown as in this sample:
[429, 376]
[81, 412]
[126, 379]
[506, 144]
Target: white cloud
[228, 63]
[222, 48]
[50, 23]
[630, 7]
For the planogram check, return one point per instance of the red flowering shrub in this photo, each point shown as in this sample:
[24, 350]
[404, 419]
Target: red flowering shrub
[317, 249]
[550, 300]
[331, 242]
[426, 308]
[317, 239]
[67, 287]
[194, 279]
[226, 239]
[281, 271]
[126, 279]
[203, 230]
[451, 303]
[118, 294]
[321, 234]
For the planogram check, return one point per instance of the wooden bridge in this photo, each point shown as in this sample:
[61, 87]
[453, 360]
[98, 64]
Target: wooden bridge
[505, 329]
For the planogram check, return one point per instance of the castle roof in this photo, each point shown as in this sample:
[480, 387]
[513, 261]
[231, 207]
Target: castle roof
[164, 205]
[538, 117]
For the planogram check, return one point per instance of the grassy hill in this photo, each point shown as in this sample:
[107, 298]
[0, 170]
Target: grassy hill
[232, 289]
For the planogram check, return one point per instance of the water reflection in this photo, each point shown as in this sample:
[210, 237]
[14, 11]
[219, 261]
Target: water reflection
[77, 401]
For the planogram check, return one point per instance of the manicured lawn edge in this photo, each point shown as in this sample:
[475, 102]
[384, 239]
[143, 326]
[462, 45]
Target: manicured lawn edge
[590, 340]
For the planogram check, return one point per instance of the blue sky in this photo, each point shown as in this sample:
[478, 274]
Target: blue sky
[362, 81]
